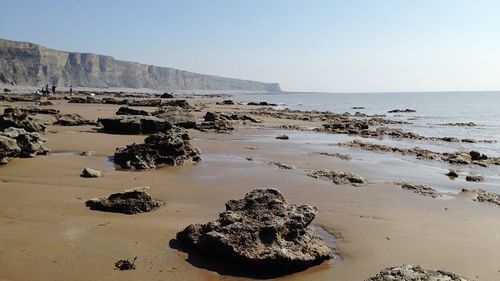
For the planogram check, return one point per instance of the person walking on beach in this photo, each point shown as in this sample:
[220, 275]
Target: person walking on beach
[46, 92]
[53, 89]
[70, 89]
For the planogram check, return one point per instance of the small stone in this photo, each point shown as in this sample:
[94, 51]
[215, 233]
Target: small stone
[91, 173]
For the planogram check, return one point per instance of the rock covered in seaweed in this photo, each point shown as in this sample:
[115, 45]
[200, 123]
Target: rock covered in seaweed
[414, 273]
[171, 148]
[73, 119]
[130, 202]
[131, 111]
[262, 231]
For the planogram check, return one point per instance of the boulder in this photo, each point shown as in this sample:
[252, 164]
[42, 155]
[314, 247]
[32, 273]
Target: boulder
[482, 195]
[178, 116]
[226, 102]
[261, 231]
[452, 173]
[18, 118]
[414, 273]
[113, 101]
[172, 148]
[91, 173]
[32, 110]
[282, 137]
[30, 143]
[214, 116]
[263, 103]
[474, 155]
[130, 202]
[73, 119]
[130, 111]
[134, 124]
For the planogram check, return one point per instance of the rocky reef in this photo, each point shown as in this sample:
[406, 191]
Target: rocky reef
[338, 177]
[15, 142]
[134, 124]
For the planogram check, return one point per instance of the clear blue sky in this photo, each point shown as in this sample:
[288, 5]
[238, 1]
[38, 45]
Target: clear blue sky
[351, 45]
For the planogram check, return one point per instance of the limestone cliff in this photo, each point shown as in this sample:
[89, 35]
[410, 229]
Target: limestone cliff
[29, 64]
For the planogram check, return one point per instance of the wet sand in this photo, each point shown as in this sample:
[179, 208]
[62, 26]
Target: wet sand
[47, 233]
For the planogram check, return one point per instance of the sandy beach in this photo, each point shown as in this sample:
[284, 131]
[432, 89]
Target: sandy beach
[47, 232]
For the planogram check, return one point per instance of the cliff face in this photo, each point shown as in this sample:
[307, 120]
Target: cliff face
[30, 64]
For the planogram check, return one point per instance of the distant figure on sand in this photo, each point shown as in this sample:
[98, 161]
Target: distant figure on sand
[71, 89]
[53, 89]
[46, 93]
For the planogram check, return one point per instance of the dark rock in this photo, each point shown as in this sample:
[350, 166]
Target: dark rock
[414, 273]
[263, 103]
[401, 110]
[336, 154]
[114, 101]
[73, 119]
[7, 90]
[282, 137]
[213, 116]
[88, 99]
[134, 124]
[45, 103]
[130, 111]
[172, 148]
[477, 156]
[91, 173]
[167, 96]
[32, 110]
[452, 174]
[282, 165]
[262, 231]
[474, 178]
[125, 264]
[358, 107]
[226, 102]
[337, 177]
[130, 202]
[18, 118]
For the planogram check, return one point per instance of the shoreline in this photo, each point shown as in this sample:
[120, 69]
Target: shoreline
[44, 222]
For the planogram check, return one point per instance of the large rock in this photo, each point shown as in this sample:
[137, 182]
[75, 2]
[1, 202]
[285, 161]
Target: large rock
[30, 143]
[130, 202]
[338, 177]
[8, 149]
[261, 231]
[414, 273]
[170, 149]
[134, 124]
[144, 102]
[19, 118]
[73, 119]
[15, 142]
[131, 111]
[178, 116]
[178, 103]
[214, 116]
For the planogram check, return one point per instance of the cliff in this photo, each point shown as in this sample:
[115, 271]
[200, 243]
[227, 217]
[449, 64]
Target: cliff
[29, 64]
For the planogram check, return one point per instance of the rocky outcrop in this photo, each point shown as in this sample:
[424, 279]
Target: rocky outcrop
[177, 103]
[171, 148]
[15, 142]
[213, 116]
[261, 231]
[452, 174]
[420, 189]
[131, 111]
[282, 137]
[338, 177]
[167, 96]
[130, 202]
[134, 124]
[144, 102]
[73, 119]
[19, 118]
[414, 273]
[282, 165]
[177, 116]
[30, 64]
[401, 110]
